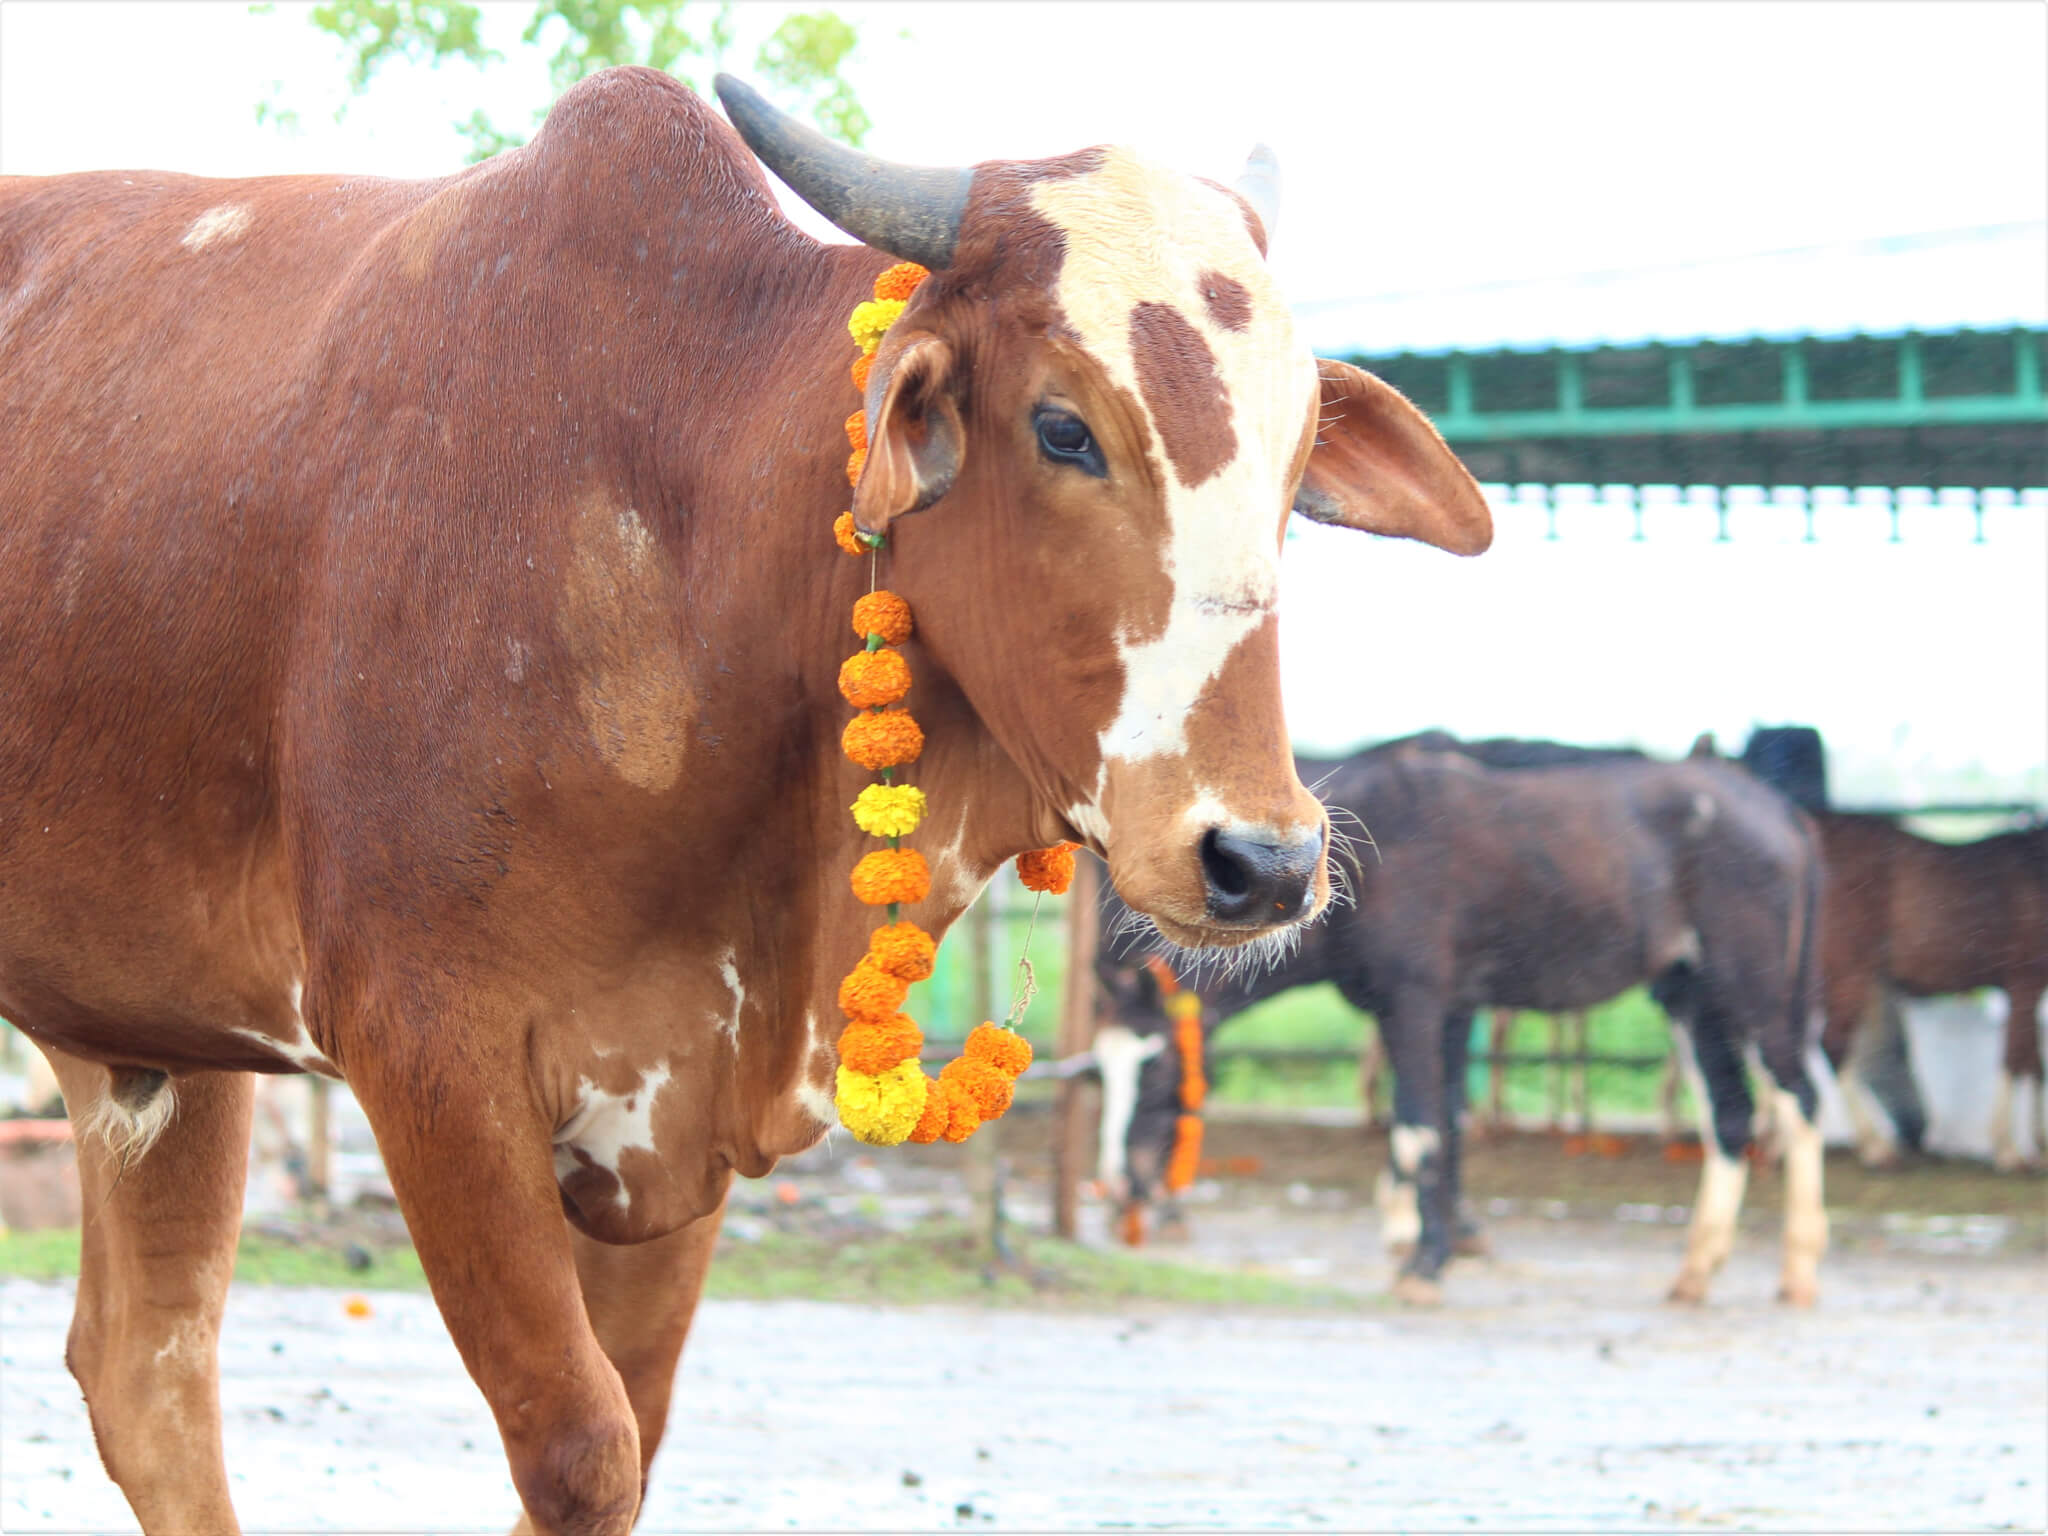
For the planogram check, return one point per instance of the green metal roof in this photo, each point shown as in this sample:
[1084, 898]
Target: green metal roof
[1952, 408]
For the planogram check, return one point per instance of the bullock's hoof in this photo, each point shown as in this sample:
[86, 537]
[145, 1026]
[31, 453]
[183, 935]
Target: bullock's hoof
[1798, 1293]
[1687, 1291]
[1879, 1157]
[1416, 1291]
[1472, 1243]
[2011, 1162]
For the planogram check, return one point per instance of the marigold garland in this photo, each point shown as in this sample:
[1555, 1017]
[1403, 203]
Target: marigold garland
[883, 1096]
[1187, 1153]
[1048, 869]
[884, 738]
[1184, 1008]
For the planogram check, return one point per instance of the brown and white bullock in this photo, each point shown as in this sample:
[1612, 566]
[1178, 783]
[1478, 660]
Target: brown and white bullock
[418, 668]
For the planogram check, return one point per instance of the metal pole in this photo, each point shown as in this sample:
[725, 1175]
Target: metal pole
[1072, 1118]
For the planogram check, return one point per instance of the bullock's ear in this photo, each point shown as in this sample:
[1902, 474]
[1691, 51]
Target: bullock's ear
[915, 437]
[1379, 465]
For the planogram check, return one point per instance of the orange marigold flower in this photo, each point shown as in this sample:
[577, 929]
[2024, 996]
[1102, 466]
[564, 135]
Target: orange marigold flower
[963, 1115]
[884, 614]
[872, 994]
[862, 367]
[903, 949]
[900, 281]
[1187, 1040]
[873, 1047]
[887, 738]
[1048, 869]
[891, 875]
[843, 532]
[857, 431]
[868, 678]
[1004, 1049]
[1187, 1153]
[990, 1089]
[931, 1124]
[855, 463]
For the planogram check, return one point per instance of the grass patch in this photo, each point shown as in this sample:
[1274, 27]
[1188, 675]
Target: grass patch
[943, 1262]
[53, 1255]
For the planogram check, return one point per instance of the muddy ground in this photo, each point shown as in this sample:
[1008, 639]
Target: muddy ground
[1553, 1390]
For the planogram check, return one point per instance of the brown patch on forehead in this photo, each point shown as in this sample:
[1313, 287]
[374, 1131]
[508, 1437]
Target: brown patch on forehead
[1229, 301]
[1001, 227]
[1189, 402]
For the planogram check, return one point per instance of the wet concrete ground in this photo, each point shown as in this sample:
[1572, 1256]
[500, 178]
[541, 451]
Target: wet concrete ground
[1556, 1391]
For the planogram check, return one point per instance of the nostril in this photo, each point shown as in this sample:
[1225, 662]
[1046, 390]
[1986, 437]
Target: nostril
[1224, 865]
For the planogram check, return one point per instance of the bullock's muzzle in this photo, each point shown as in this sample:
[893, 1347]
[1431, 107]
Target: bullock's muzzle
[1257, 880]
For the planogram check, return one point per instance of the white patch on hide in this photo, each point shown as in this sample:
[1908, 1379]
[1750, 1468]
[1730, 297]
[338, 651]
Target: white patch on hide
[1412, 1143]
[607, 1125]
[219, 225]
[812, 1097]
[728, 972]
[1119, 1055]
[1136, 233]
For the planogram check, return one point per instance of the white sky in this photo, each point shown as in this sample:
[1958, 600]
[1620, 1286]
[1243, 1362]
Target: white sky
[1463, 174]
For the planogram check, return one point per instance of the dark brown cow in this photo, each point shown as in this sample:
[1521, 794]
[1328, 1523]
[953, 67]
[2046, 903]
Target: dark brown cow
[418, 667]
[1546, 887]
[1930, 918]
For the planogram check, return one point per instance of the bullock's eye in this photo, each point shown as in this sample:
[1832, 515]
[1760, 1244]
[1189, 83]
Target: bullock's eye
[1065, 439]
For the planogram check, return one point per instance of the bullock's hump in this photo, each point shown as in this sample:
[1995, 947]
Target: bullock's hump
[634, 128]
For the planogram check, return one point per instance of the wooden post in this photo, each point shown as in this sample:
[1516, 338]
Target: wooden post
[981, 990]
[1072, 1121]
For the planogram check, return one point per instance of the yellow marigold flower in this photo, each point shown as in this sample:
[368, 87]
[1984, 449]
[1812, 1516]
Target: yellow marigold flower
[870, 993]
[884, 614]
[869, 1046]
[843, 533]
[888, 810]
[1004, 1049]
[1187, 1153]
[857, 431]
[886, 738]
[1048, 869]
[870, 678]
[903, 949]
[900, 281]
[870, 321]
[891, 875]
[862, 367]
[881, 1109]
[989, 1089]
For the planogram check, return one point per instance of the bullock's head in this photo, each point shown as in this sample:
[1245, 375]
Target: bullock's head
[1100, 410]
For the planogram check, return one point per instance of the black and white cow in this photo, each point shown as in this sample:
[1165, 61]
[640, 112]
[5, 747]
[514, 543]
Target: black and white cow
[1552, 886]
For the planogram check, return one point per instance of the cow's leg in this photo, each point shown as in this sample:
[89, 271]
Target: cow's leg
[471, 1162]
[1667, 1091]
[640, 1301]
[1418, 1139]
[1720, 1088]
[2019, 1069]
[1466, 1238]
[1798, 1130]
[1372, 1061]
[156, 1252]
[1876, 1146]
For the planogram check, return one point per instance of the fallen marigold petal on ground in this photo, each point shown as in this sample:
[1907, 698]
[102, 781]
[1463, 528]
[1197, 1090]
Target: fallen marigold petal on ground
[887, 738]
[884, 614]
[869, 678]
[903, 949]
[1004, 1049]
[891, 875]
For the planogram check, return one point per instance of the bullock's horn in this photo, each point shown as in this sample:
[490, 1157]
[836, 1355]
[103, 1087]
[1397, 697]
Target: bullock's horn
[909, 211]
[1259, 184]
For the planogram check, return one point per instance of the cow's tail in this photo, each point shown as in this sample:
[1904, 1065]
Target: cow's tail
[133, 1112]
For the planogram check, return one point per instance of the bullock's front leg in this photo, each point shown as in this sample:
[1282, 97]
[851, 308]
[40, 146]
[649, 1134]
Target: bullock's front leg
[156, 1252]
[1720, 1090]
[1418, 1142]
[2020, 1069]
[640, 1301]
[470, 1160]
